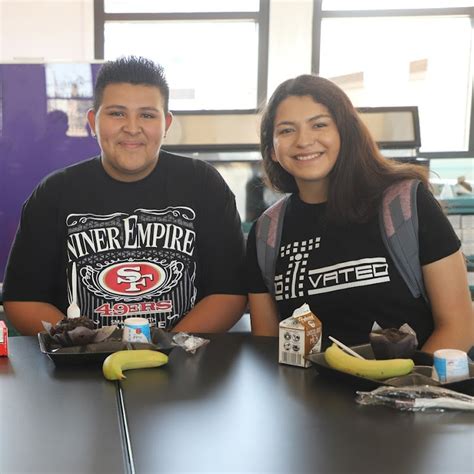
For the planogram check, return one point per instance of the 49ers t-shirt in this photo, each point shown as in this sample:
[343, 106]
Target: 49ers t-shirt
[151, 248]
[138, 263]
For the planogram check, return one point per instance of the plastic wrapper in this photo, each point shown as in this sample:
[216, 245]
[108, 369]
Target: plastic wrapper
[417, 398]
[188, 342]
[77, 336]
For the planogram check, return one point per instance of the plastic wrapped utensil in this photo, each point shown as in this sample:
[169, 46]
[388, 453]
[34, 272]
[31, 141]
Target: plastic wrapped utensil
[417, 398]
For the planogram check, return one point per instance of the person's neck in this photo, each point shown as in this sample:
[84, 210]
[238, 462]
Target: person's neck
[313, 193]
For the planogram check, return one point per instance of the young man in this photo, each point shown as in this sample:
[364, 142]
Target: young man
[134, 231]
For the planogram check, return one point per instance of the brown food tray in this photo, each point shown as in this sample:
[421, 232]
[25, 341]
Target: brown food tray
[97, 353]
[360, 383]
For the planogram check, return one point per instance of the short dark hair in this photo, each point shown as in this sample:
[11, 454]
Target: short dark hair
[131, 70]
[361, 172]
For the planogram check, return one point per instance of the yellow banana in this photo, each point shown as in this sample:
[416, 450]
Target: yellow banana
[368, 368]
[134, 359]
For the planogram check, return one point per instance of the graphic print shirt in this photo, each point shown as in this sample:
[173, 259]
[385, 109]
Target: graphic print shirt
[346, 274]
[151, 248]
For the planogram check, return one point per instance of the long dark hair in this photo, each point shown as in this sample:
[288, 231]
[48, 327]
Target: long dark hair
[361, 173]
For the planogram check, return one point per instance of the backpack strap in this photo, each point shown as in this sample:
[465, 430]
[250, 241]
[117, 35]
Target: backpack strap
[268, 237]
[398, 220]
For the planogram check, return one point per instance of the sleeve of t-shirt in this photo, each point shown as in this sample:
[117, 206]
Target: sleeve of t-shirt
[253, 276]
[436, 236]
[221, 241]
[32, 268]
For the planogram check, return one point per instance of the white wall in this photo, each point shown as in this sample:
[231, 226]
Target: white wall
[36, 30]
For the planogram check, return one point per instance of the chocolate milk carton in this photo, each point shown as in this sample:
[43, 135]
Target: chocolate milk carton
[299, 335]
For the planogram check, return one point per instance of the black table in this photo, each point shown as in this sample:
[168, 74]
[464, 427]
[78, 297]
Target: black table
[229, 408]
[232, 407]
[55, 420]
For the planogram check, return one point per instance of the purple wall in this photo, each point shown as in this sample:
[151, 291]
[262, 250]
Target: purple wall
[42, 128]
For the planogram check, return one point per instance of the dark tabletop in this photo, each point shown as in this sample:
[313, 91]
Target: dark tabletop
[232, 407]
[55, 420]
[228, 408]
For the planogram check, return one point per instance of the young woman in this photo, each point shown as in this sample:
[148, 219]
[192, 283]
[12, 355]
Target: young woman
[331, 254]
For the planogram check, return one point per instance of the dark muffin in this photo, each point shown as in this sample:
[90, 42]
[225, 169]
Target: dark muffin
[393, 344]
[68, 324]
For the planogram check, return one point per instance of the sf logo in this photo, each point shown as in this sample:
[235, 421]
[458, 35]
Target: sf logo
[133, 277]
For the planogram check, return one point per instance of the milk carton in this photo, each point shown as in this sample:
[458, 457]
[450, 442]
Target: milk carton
[299, 335]
[3, 339]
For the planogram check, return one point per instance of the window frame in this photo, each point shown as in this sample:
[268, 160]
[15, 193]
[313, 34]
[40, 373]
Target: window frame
[261, 17]
[319, 15]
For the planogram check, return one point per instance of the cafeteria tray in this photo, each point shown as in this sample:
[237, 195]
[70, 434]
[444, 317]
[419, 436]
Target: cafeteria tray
[97, 352]
[423, 364]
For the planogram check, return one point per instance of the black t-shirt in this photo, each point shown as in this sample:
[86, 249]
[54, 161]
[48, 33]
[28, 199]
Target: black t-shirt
[151, 248]
[346, 274]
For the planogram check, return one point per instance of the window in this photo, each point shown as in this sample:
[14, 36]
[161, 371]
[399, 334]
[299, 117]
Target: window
[69, 96]
[403, 57]
[214, 53]
[174, 6]
[393, 4]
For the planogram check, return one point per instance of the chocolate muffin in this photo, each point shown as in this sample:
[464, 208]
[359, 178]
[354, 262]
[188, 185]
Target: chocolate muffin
[69, 324]
[392, 343]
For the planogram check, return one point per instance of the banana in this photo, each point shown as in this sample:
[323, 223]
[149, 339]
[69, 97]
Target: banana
[368, 368]
[115, 363]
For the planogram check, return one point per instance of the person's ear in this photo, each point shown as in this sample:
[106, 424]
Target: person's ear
[168, 120]
[273, 155]
[91, 121]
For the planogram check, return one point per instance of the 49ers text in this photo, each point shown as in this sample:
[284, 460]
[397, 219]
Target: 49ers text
[121, 309]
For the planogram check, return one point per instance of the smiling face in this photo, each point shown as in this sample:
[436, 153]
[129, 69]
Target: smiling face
[306, 144]
[130, 125]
